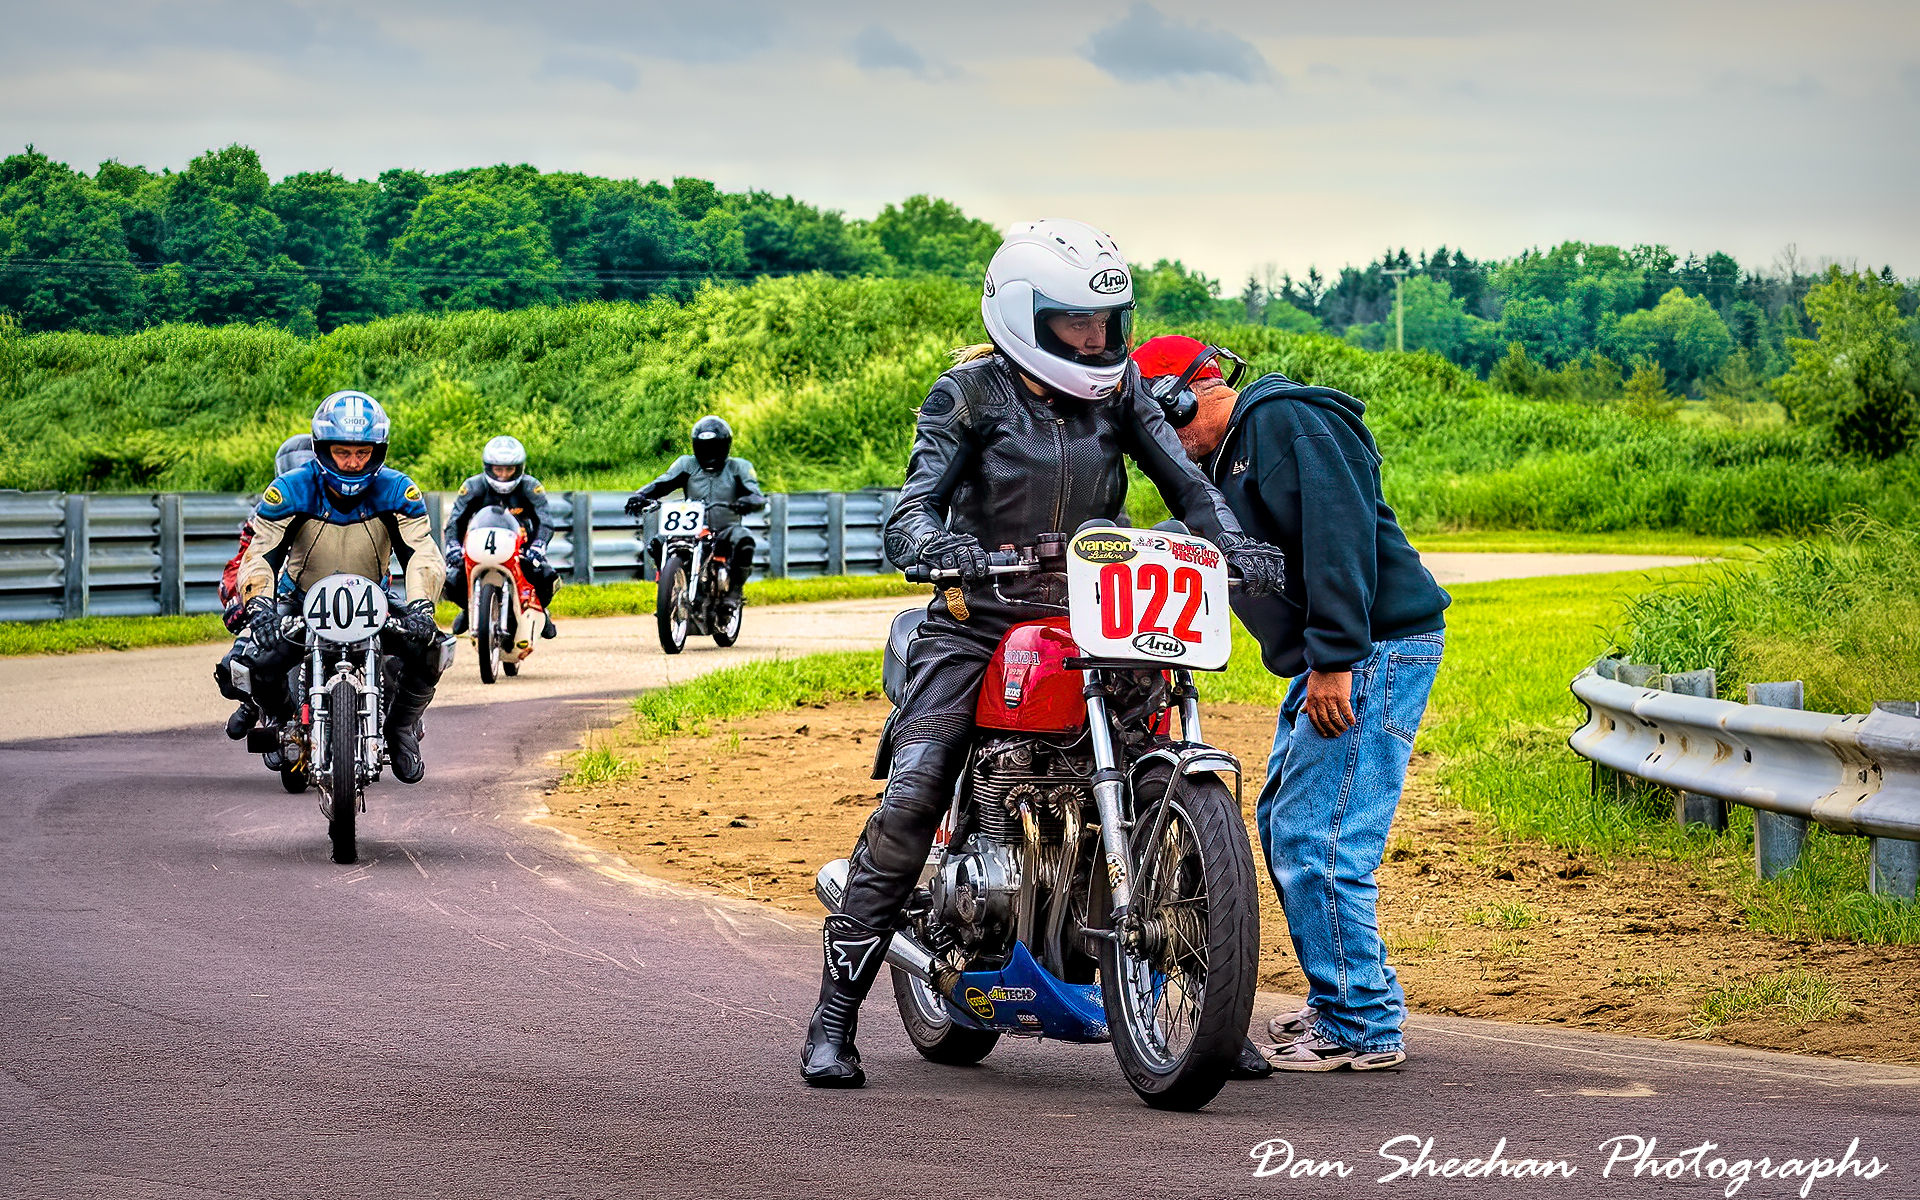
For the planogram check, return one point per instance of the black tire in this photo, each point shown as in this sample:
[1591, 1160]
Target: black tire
[931, 1028]
[343, 772]
[485, 620]
[727, 632]
[670, 607]
[510, 668]
[1204, 909]
[296, 780]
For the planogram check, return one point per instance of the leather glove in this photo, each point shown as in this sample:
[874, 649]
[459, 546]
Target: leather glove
[265, 620]
[1263, 568]
[955, 552]
[749, 504]
[535, 552]
[638, 504]
[416, 620]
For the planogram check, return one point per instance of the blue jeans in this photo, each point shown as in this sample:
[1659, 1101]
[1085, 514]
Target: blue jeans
[1323, 817]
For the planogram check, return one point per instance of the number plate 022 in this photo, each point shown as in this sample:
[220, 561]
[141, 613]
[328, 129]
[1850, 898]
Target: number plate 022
[1148, 596]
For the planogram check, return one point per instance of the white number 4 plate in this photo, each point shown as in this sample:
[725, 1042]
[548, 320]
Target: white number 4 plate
[1143, 595]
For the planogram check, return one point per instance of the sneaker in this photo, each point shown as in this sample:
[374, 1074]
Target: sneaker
[1311, 1052]
[1288, 1026]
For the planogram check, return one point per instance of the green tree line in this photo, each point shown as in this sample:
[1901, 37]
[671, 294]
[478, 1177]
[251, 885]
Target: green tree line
[126, 248]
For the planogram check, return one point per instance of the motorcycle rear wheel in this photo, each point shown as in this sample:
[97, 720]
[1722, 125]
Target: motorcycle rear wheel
[931, 1027]
[1178, 1011]
[486, 629]
[343, 771]
[670, 607]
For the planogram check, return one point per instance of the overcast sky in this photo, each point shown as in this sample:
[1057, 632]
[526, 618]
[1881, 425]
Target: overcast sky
[1228, 134]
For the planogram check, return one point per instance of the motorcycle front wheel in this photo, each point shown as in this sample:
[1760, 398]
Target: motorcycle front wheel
[343, 769]
[1178, 1002]
[485, 619]
[671, 609]
[931, 1027]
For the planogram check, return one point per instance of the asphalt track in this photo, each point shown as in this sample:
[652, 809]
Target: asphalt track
[195, 1001]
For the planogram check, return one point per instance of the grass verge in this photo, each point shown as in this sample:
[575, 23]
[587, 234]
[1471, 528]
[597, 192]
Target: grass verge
[1635, 541]
[600, 600]
[757, 687]
[1797, 996]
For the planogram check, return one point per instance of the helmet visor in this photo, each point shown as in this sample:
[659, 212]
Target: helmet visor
[1095, 337]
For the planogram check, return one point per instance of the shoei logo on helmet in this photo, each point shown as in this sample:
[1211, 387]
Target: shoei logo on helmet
[1103, 547]
[1108, 282]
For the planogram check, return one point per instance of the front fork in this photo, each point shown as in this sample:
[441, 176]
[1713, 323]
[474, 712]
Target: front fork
[1110, 786]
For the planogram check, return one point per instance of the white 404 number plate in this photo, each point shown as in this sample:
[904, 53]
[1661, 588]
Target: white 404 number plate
[683, 518]
[1148, 596]
[345, 608]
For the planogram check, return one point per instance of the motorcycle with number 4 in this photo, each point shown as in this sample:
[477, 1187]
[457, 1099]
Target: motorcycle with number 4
[335, 741]
[504, 613]
[1092, 880]
[693, 580]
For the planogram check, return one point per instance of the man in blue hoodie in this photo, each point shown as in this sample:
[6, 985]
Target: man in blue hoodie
[1358, 627]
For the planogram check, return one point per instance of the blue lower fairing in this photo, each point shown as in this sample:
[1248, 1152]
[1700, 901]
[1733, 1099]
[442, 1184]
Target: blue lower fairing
[1024, 998]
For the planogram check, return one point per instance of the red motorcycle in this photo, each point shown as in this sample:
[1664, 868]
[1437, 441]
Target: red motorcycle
[1093, 879]
[504, 612]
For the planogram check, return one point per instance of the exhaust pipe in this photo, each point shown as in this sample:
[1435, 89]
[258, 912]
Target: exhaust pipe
[830, 886]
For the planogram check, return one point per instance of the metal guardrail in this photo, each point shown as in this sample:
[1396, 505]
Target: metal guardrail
[1851, 774]
[161, 554]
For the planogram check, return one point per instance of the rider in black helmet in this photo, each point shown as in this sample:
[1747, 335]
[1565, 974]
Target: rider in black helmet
[712, 476]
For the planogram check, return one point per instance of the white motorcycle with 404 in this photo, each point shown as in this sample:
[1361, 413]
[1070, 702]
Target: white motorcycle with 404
[335, 742]
[693, 580]
[504, 611]
[1093, 879]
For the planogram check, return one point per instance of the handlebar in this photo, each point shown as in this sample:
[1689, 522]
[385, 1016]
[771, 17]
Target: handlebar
[919, 573]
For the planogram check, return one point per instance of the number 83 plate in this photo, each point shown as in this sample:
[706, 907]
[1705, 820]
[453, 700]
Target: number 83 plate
[1149, 596]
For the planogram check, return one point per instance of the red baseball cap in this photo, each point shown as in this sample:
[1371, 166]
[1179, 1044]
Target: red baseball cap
[1172, 354]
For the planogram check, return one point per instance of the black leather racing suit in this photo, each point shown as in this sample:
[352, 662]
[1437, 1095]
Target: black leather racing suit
[994, 461]
[729, 490]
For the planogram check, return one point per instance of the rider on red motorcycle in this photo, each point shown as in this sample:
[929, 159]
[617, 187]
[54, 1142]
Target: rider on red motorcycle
[503, 482]
[1026, 436]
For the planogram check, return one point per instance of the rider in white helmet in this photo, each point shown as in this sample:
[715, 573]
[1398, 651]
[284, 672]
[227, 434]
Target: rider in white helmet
[1024, 437]
[502, 483]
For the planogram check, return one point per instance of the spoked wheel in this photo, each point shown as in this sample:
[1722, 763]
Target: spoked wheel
[726, 632]
[1179, 999]
[932, 1029]
[486, 629]
[343, 771]
[671, 608]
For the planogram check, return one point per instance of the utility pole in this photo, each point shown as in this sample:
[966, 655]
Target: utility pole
[1399, 309]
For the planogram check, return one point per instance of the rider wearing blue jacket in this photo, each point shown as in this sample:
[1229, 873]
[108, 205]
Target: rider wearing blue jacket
[346, 513]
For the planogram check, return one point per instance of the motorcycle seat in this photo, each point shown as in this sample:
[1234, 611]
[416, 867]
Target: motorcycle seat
[893, 662]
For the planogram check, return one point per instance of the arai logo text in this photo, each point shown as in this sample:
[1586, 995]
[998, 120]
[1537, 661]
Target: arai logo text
[1109, 282]
[1159, 645]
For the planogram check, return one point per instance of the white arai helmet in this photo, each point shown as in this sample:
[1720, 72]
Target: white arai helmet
[1051, 267]
[504, 451]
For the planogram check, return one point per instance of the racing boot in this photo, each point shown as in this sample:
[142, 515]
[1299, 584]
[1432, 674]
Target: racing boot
[403, 731]
[549, 629]
[242, 721]
[854, 954]
[460, 623]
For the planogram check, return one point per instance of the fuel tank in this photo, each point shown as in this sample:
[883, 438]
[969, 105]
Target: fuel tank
[1028, 687]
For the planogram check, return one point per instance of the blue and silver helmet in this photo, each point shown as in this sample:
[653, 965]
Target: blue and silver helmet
[349, 419]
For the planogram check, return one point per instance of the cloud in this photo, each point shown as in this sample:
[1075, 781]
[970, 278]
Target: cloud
[616, 73]
[1147, 45]
[877, 48]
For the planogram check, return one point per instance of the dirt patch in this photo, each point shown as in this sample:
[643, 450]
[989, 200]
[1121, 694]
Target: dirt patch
[1476, 925]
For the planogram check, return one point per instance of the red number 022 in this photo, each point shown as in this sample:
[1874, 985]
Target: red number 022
[1117, 583]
